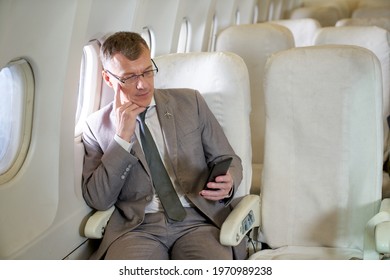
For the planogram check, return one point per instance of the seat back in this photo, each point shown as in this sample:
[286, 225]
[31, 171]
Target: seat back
[376, 40]
[326, 15]
[371, 12]
[382, 22]
[372, 9]
[222, 79]
[303, 30]
[255, 43]
[323, 156]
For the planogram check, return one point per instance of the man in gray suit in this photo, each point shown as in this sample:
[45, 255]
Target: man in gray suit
[116, 172]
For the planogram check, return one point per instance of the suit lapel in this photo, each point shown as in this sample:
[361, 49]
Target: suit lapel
[138, 153]
[166, 117]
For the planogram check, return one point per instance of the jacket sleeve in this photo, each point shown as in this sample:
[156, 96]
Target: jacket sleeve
[104, 173]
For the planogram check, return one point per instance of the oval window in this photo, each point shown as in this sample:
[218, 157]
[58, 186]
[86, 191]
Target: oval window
[90, 85]
[16, 107]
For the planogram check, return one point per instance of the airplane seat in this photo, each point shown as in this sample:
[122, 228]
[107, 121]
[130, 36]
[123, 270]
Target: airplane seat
[303, 30]
[255, 43]
[373, 3]
[376, 40]
[345, 7]
[382, 22]
[321, 189]
[222, 78]
[326, 15]
[371, 12]
[372, 9]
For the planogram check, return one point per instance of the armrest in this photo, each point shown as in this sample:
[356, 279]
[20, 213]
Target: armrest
[377, 233]
[96, 224]
[382, 231]
[244, 217]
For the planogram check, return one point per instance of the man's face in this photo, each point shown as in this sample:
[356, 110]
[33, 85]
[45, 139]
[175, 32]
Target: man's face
[139, 91]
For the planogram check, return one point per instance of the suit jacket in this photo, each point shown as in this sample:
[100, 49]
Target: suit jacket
[113, 176]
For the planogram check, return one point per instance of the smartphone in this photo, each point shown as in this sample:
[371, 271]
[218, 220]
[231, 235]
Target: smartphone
[217, 169]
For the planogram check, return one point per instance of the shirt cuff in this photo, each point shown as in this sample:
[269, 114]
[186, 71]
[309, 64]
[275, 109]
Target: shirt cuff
[123, 143]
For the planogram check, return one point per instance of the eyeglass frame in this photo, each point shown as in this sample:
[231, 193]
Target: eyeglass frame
[123, 80]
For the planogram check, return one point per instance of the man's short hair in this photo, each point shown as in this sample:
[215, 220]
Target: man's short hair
[129, 44]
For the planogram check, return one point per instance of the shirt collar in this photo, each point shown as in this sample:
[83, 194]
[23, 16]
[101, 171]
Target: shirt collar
[151, 106]
[152, 102]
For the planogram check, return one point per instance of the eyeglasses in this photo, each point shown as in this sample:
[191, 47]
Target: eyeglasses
[135, 78]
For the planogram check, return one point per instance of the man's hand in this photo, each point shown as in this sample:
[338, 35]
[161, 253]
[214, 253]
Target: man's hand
[219, 189]
[126, 115]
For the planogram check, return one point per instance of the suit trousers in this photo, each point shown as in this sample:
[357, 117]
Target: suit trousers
[159, 238]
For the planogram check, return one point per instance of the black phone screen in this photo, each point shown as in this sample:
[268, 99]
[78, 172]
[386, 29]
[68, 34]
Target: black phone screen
[218, 168]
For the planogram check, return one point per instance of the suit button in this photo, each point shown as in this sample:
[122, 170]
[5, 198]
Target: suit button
[123, 177]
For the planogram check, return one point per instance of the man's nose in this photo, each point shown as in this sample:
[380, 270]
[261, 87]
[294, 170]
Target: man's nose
[140, 84]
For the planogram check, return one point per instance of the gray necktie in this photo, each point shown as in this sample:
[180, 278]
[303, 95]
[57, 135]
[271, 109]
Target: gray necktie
[161, 181]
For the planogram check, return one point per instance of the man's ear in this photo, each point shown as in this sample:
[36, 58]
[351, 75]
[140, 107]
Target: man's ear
[106, 78]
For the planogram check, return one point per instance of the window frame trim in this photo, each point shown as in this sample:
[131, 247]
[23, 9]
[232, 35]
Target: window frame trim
[27, 75]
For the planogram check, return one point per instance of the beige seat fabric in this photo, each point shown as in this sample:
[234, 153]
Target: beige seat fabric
[255, 43]
[323, 158]
[325, 15]
[372, 9]
[381, 22]
[303, 30]
[370, 12]
[376, 40]
[373, 3]
[344, 7]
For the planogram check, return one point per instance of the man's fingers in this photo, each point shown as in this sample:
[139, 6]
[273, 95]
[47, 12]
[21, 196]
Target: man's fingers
[117, 96]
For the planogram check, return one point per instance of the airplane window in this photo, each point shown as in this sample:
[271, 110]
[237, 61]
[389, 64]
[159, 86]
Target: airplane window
[16, 106]
[271, 11]
[185, 37]
[90, 84]
[256, 14]
[150, 39]
[263, 10]
[213, 34]
[238, 17]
